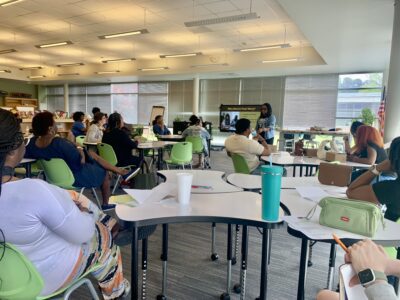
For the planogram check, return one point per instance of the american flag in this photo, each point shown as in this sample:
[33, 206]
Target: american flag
[381, 113]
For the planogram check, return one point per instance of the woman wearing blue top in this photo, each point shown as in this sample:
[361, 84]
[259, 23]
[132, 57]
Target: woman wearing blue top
[78, 127]
[89, 170]
[159, 127]
[266, 123]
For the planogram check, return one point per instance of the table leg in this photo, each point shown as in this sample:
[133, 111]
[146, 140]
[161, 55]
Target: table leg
[214, 254]
[144, 267]
[301, 171]
[303, 268]
[134, 264]
[266, 252]
[331, 272]
[294, 171]
[243, 270]
[164, 258]
[160, 158]
[28, 168]
[225, 296]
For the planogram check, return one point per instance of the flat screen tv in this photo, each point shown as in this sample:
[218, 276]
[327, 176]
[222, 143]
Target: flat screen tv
[230, 114]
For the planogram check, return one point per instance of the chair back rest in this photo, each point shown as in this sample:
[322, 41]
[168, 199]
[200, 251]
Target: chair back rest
[240, 164]
[107, 152]
[80, 139]
[182, 152]
[288, 136]
[19, 278]
[57, 172]
[197, 143]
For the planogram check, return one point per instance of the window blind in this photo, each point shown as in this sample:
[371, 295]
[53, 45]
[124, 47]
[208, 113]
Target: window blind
[152, 94]
[180, 100]
[310, 101]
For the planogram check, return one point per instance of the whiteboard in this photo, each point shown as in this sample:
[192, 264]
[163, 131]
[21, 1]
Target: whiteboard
[155, 111]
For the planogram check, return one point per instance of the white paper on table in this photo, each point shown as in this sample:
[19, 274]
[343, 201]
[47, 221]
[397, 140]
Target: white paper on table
[156, 194]
[355, 292]
[313, 193]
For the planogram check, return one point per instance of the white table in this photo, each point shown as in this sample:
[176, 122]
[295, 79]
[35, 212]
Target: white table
[159, 145]
[171, 137]
[299, 207]
[284, 160]
[204, 181]
[243, 208]
[245, 181]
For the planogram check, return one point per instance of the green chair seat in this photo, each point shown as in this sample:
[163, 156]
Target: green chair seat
[240, 164]
[181, 154]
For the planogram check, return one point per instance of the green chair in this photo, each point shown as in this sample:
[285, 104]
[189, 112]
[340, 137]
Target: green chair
[198, 147]
[20, 280]
[107, 152]
[181, 155]
[239, 164]
[35, 170]
[79, 140]
[58, 173]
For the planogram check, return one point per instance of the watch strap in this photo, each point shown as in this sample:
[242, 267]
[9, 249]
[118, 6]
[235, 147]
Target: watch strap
[380, 275]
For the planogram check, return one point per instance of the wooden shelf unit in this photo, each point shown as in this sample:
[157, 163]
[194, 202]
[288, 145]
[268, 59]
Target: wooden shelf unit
[14, 102]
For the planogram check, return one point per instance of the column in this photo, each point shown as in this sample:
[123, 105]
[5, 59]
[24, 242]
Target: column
[196, 95]
[66, 98]
[392, 124]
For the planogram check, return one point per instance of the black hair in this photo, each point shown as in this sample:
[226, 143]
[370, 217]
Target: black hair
[114, 121]
[354, 126]
[11, 136]
[394, 155]
[194, 120]
[269, 110]
[156, 119]
[95, 110]
[242, 125]
[77, 115]
[41, 123]
[97, 117]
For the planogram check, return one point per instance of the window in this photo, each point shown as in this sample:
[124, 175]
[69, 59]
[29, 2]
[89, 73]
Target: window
[310, 101]
[356, 92]
[125, 101]
[180, 100]
[54, 98]
[152, 94]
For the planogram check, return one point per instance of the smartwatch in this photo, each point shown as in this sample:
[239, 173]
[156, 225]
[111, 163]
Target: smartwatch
[374, 171]
[369, 276]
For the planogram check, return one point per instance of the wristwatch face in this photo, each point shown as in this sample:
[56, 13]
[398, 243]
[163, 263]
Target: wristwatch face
[366, 276]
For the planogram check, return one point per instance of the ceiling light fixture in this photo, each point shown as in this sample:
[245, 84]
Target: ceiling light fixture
[36, 76]
[9, 2]
[107, 72]
[153, 69]
[71, 65]
[209, 65]
[121, 34]
[180, 55]
[31, 68]
[53, 44]
[68, 74]
[5, 71]
[118, 60]
[220, 20]
[280, 60]
[263, 48]
[7, 51]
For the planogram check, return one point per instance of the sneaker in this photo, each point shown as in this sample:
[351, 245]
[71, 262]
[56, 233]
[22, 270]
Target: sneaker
[127, 288]
[132, 173]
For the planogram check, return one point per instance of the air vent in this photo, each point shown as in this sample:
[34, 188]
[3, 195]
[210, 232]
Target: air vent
[220, 20]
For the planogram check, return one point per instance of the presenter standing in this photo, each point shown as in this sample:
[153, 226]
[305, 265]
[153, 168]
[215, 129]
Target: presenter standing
[266, 123]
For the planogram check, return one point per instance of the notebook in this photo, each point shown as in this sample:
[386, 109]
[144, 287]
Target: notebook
[355, 292]
[334, 174]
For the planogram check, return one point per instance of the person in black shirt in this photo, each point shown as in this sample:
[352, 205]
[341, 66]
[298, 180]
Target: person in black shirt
[120, 141]
[383, 192]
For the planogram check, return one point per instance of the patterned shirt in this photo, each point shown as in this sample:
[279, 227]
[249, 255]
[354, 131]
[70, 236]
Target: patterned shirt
[268, 122]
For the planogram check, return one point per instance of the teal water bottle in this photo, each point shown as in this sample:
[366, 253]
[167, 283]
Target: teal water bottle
[271, 192]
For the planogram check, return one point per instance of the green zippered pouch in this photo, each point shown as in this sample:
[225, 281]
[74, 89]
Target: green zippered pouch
[355, 216]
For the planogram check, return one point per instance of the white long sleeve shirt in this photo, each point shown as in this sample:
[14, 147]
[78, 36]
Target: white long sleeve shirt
[43, 222]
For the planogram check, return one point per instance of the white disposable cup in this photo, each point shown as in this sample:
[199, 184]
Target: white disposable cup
[184, 181]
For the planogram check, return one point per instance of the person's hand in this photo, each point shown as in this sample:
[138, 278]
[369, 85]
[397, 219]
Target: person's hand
[367, 255]
[350, 157]
[80, 200]
[260, 130]
[384, 166]
[266, 129]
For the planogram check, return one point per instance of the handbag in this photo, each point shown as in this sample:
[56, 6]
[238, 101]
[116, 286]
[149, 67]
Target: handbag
[355, 216]
[334, 174]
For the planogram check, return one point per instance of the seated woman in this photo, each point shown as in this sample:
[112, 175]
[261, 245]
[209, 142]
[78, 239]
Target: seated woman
[120, 141]
[78, 127]
[353, 131]
[369, 146]
[95, 131]
[159, 127]
[89, 171]
[384, 192]
[196, 129]
[53, 227]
